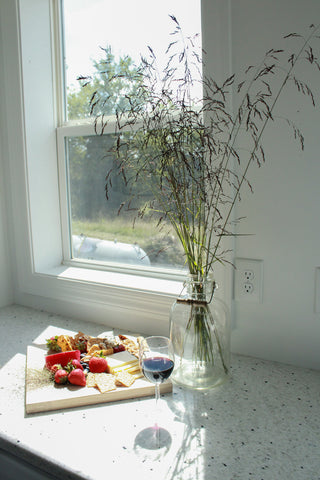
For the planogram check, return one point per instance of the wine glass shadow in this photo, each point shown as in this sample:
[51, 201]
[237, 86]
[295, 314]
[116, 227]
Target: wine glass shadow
[153, 438]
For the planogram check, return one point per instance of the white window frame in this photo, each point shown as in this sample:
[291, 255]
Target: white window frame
[41, 278]
[79, 128]
[86, 128]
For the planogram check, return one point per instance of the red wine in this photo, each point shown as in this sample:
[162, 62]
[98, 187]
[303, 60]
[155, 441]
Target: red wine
[157, 369]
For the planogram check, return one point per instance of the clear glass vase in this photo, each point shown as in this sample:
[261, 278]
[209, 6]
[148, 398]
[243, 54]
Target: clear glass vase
[200, 334]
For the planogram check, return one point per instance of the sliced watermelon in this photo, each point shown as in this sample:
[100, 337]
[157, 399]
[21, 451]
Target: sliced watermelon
[62, 358]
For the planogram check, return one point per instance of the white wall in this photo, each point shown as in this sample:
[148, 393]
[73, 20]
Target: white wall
[282, 214]
[6, 292]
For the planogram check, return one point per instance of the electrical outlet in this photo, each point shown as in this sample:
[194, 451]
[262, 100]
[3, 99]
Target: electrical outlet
[248, 288]
[249, 275]
[248, 280]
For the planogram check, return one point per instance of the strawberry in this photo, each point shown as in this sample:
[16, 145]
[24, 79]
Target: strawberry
[98, 364]
[82, 346]
[52, 344]
[77, 377]
[56, 367]
[76, 364]
[61, 376]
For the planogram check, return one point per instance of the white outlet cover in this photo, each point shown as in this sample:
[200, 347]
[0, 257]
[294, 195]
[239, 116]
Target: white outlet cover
[241, 293]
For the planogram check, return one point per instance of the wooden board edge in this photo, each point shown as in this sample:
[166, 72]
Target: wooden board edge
[83, 401]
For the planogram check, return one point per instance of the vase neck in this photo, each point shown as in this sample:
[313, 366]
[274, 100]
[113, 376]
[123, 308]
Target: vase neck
[199, 288]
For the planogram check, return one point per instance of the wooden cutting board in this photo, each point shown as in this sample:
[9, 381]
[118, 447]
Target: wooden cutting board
[42, 394]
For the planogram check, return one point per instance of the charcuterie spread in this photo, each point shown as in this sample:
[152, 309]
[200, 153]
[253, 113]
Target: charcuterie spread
[104, 363]
[75, 369]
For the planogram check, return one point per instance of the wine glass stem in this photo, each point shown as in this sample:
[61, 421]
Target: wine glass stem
[157, 396]
[157, 393]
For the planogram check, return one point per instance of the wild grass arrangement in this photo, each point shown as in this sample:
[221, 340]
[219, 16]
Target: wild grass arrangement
[186, 149]
[189, 151]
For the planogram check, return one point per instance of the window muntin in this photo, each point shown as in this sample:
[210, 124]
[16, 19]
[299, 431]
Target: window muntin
[96, 231]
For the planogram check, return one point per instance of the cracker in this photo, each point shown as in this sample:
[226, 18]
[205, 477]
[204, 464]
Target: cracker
[96, 341]
[92, 349]
[105, 382]
[91, 379]
[105, 352]
[86, 358]
[81, 336]
[64, 343]
[124, 379]
[95, 352]
[130, 345]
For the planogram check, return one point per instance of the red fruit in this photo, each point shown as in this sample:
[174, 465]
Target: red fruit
[77, 377]
[76, 364]
[61, 376]
[82, 346]
[119, 348]
[63, 358]
[98, 364]
[56, 367]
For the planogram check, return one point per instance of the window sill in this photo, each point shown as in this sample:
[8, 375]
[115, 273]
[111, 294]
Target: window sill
[129, 302]
[116, 280]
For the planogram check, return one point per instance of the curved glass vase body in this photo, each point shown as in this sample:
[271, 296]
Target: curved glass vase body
[200, 335]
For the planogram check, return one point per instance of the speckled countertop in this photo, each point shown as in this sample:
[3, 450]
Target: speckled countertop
[263, 424]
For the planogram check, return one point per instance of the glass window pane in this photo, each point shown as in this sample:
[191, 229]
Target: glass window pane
[99, 231]
[127, 28]
[100, 34]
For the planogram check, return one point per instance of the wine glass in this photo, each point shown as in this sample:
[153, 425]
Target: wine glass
[157, 363]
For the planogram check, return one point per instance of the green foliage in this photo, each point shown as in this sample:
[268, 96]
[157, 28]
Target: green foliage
[78, 101]
[114, 82]
[88, 158]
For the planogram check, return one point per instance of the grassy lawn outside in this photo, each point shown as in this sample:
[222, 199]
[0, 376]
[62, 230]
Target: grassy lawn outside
[162, 247]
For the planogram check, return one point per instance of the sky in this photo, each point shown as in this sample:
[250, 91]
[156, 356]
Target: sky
[129, 26]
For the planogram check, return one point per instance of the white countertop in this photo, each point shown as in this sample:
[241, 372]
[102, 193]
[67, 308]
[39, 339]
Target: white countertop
[263, 424]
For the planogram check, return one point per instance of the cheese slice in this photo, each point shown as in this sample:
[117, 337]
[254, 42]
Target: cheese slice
[134, 369]
[122, 361]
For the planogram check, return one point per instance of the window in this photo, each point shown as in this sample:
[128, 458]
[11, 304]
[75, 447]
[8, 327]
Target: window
[37, 184]
[98, 37]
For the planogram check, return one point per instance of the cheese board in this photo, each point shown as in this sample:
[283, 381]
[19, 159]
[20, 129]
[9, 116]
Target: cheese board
[43, 394]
